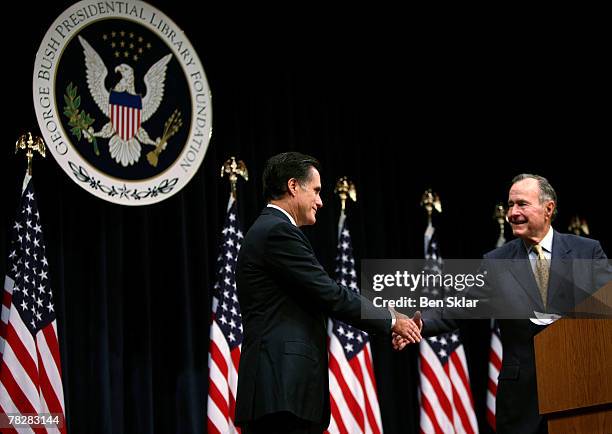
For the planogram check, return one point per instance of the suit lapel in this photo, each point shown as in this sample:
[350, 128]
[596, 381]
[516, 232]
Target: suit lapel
[559, 266]
[521, 269]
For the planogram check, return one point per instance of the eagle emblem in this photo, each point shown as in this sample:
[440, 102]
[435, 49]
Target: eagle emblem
[126, 110]
[111, 90]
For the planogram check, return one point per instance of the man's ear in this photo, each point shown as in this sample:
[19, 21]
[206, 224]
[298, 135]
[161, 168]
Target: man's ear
[550, 208]
[292, 185]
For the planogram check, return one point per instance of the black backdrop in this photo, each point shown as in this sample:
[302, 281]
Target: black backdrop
[396, 109]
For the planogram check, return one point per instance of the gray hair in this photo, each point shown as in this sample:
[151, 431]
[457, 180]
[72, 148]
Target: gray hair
[547, 192]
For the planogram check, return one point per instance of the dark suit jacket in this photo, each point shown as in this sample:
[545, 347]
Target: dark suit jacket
[285, 299]
[573, 276]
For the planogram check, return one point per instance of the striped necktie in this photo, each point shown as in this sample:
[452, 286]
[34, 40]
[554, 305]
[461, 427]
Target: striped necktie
[542, 270]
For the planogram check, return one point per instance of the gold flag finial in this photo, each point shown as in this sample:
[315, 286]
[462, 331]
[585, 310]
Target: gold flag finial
[500, 215]
[579, 226]
[30, 144]
[234, 168]
[431, 201]
[345, 188]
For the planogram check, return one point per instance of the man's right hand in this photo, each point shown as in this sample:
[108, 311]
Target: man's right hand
[407, 330]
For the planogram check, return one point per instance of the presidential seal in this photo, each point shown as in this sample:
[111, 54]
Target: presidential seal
[122, 101]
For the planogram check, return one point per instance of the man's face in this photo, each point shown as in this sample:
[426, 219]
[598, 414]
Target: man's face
[309, 199]
[530, 219]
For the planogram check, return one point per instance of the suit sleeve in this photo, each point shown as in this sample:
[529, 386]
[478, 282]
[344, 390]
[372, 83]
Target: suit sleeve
[289, 254]
[602, 270]
[444, 320]
[434, 327]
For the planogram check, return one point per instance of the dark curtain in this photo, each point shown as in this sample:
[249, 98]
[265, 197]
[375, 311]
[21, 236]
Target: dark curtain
[397, 111]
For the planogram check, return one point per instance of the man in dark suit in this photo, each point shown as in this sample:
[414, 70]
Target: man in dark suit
[542, 271]
[285, 299]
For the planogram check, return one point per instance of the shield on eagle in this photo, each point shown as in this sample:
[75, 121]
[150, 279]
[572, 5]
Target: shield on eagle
[125, 113]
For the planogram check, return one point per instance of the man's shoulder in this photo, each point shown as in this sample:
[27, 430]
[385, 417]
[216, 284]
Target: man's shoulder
[510, 249]
[506, 251]
[271, 219]
[576, 240]
[580, 245]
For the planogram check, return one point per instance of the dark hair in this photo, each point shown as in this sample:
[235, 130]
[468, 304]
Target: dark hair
[281, 168]
[547, 192]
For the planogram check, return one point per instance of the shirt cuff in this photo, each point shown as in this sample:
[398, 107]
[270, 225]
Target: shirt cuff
[393, 320]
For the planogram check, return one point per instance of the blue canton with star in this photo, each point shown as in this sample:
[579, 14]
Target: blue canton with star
[444, 344]
[433, 265]
[28, 266]
[352, 339]
[227, 314]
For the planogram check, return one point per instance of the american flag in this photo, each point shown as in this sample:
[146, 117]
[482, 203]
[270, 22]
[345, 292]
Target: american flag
[225, 331]
[353, 399]
[495, 360]
[446, 397]
[30, 367]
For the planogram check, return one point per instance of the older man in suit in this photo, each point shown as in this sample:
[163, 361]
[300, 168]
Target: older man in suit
[541, 271]
[285, 298]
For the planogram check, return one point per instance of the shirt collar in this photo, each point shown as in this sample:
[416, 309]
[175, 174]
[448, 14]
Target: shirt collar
[283, 211]
[546, 242]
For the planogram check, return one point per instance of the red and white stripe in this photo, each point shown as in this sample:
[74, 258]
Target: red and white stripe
[126, 120]
[352, 386]
[446, 398]
[495, 361]
[30, 368]
[7, 298]
[222, 382]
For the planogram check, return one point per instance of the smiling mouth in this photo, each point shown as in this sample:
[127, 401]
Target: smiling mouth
[518, 222]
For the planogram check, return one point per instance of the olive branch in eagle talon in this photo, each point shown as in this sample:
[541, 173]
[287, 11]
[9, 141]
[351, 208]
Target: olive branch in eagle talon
[79, 121]
[172, 125]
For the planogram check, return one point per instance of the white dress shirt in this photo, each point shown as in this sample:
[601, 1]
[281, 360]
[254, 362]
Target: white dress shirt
[283, 211]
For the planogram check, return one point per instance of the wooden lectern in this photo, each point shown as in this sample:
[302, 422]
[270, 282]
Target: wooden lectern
[574, 369]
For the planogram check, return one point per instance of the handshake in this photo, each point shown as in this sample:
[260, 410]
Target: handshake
[406, 330]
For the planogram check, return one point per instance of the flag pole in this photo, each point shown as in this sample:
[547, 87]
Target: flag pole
[345, 189]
